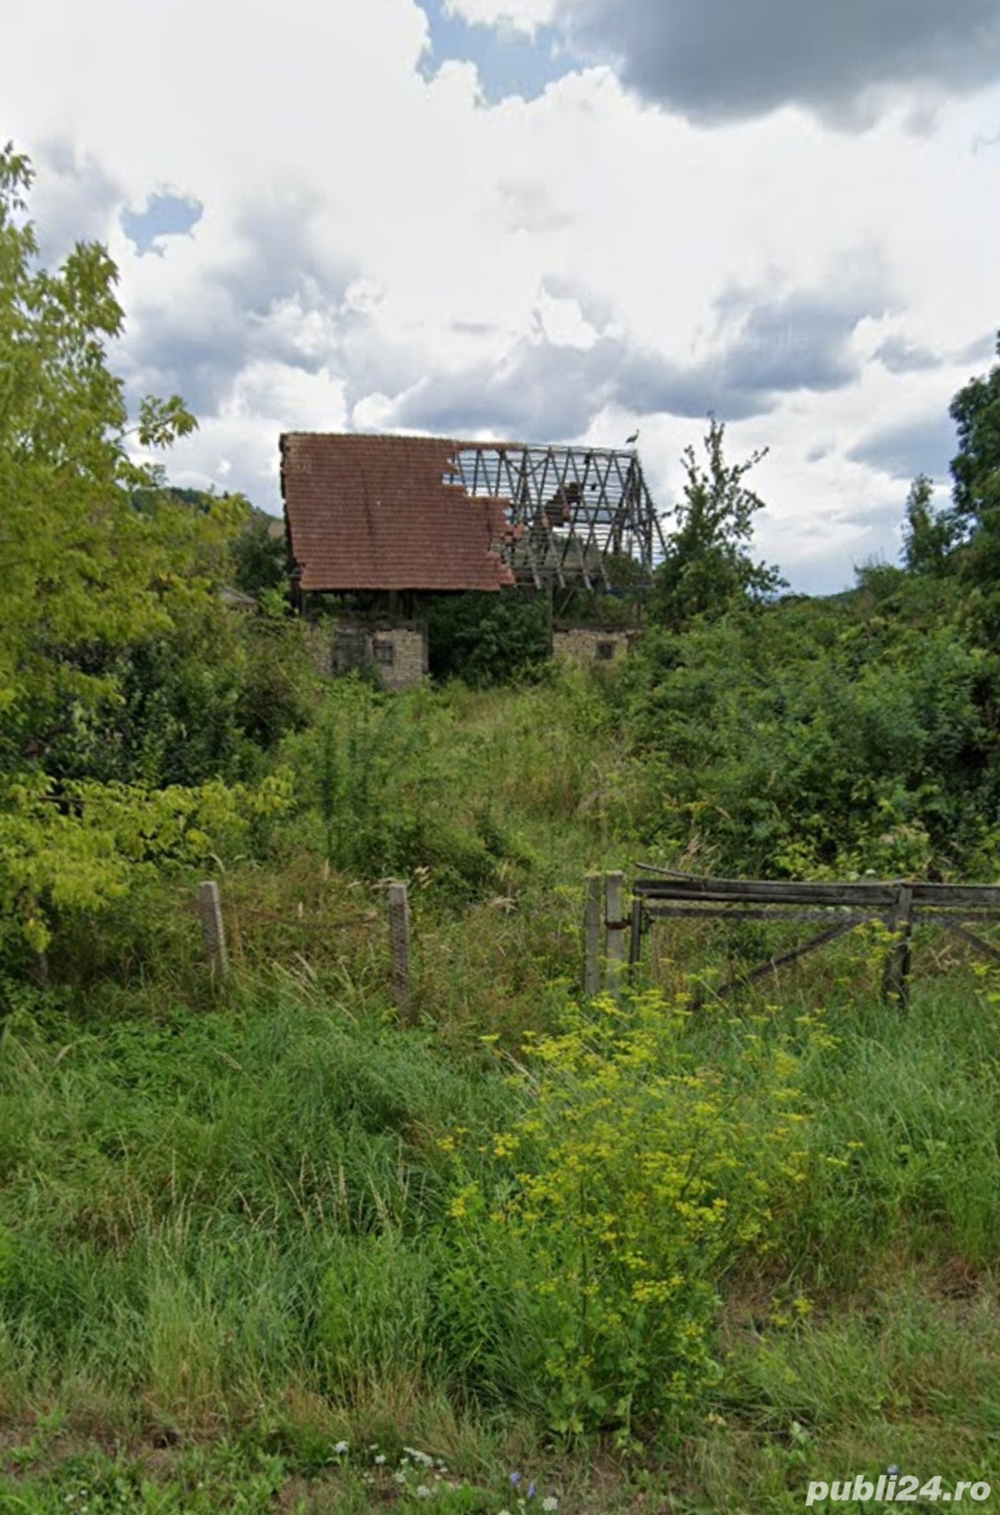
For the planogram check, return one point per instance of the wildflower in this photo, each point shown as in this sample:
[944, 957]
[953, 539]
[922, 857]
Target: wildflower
[422, 1491]
[550, 1503]
[340, 1448]
[515, 1479]
[531, 1491]
[380, 1459]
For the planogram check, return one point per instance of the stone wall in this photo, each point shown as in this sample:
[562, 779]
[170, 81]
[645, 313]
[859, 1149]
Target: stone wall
[591, 644]
[398, 654]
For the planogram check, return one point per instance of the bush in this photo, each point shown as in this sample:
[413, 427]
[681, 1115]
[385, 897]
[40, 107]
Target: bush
[488, 638]
[804, 739]
[632, 1178]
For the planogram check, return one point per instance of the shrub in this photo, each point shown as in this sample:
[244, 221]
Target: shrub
[632, 1178]
[488, 638]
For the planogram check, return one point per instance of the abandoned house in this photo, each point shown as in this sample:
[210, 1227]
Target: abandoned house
[386, 522]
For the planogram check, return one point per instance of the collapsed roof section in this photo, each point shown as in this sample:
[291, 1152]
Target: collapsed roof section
[428, 513]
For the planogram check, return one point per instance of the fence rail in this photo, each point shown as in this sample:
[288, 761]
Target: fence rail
[900, 905]
[210, 912]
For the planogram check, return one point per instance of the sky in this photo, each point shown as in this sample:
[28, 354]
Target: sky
[544, 221]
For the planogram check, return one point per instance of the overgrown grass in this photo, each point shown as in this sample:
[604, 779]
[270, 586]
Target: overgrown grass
[228, 1222]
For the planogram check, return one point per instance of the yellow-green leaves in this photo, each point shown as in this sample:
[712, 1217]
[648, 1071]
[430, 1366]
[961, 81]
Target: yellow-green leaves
[80, 566]
[640, 1176]
[81, 848]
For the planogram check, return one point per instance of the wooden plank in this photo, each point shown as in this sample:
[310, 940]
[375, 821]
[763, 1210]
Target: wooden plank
[929, 917]
[900, 903]
[767, 891]
[987, 895]
[960, 929]
[592, 935]
[774, 963]
[635, 942]
[615, 927]
[807, 891]
[776, 914]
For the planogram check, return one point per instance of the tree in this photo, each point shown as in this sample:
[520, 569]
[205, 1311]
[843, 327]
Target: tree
[929, 535]
[260, 559]
[487, 638]
[975, 469]
[975, 513]
[86, 575]
[708, 567]
[82, 569]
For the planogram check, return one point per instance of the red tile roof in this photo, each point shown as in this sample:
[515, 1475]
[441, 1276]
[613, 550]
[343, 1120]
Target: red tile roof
[379, 512]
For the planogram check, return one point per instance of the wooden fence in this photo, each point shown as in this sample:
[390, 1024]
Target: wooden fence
[213, 931]
[961, 908]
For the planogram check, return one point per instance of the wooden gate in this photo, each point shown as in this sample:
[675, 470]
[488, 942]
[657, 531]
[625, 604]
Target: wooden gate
[900, 906]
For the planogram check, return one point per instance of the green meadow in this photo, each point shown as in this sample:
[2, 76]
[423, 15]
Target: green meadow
[647, 1255]
[269, 1242]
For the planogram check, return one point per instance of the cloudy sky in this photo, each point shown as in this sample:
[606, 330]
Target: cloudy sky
[541, 220]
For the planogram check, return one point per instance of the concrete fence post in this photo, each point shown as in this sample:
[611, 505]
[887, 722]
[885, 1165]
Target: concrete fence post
[213, 930]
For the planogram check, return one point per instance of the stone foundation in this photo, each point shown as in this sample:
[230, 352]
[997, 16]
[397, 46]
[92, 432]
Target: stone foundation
[398, 654]
[591, 644]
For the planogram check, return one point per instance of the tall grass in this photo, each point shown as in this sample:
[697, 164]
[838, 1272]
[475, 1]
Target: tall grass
[234, 1216]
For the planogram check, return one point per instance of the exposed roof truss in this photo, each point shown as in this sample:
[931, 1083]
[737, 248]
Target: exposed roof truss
[576, 513]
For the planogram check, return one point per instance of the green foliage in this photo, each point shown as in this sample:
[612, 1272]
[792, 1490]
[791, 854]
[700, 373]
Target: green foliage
[373, 1311]
[809, 738]
[116, 661]
[640, 1176]
[207, 700]
[708, 568]
[964, 539]
[929, 535]
[976, 467]
[292, 1218]
[488, 638]
[79, 565]
[378, 772]
[259, 558]
[976, 496]
[82, 848]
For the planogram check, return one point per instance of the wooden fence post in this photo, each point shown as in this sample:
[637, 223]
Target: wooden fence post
[399, 946]
[614, 953]
[635, 938]
[213, 930]
[592, 936]
[895, 976]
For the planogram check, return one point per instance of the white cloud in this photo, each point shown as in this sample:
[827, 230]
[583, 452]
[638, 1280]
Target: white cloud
[524, 15]
[375, 245]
